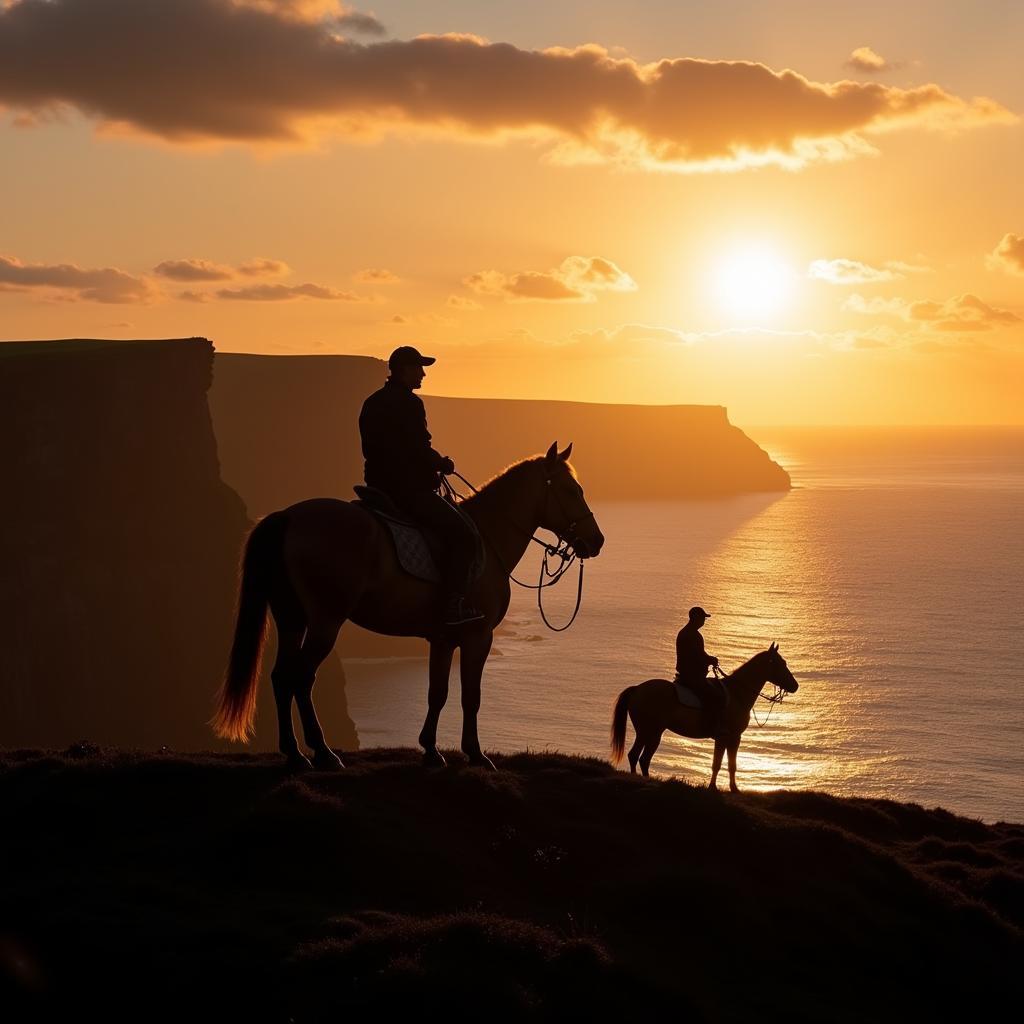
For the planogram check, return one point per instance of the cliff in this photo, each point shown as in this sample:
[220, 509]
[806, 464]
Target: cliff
[288, 429]
[119, 549]
[220, 888]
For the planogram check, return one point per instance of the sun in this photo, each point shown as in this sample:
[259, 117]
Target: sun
[752, 281]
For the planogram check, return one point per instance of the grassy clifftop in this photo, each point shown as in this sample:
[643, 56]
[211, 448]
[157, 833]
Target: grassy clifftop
[159, 885]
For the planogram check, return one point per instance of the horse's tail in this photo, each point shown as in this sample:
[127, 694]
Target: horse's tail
[619, 724]
[236, 702]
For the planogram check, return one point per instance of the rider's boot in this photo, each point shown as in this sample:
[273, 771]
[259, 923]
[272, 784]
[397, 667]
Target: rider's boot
[458, 611]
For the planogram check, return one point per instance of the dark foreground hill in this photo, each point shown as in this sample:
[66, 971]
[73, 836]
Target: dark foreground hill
[158, 886]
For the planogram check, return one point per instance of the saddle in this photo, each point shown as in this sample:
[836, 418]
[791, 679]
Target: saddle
[690, 698]
[419, 550]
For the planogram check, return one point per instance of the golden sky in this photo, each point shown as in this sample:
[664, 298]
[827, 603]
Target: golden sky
[807, 213]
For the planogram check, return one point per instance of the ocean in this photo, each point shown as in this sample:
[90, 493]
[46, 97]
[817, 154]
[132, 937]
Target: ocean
[891, 576]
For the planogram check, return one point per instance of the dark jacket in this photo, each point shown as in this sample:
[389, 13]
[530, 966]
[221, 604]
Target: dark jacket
[691, 661]
[396, 443]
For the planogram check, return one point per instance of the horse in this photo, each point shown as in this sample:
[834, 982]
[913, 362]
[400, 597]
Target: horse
[325, 561]
[654, 706]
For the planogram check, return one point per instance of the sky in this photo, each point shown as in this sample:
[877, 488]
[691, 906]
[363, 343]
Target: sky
[808, 213]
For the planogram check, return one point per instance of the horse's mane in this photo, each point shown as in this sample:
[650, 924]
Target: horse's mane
[510, 473]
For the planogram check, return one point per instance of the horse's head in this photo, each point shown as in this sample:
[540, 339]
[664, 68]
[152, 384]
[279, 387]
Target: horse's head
[777, 670]
[565, 510]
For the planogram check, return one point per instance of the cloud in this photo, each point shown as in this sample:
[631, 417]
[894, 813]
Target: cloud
[376, 276]
[193, 270]
[399, 319]
[285, 293]
[961, 313]
[190, 296]
[262, 267]
[632, 334]
[461, 302]
[576, 279]
[75, 283]
[865, 59]
[259, 74]
[849, 272]
[1008, 254]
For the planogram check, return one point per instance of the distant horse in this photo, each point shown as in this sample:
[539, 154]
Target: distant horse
[321, 562]
[654, 707]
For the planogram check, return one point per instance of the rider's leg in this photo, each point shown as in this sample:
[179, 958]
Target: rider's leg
[430, 509]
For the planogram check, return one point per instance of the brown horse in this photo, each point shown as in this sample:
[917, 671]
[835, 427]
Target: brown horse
[654, 707]
[322, 562]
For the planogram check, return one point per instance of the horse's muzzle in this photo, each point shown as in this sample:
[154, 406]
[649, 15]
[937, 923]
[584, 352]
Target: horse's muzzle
[588, 547]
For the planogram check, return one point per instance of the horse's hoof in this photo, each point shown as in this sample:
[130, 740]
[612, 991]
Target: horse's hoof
[327, 761]
[299, 763]
[434, 759]
[482, 761]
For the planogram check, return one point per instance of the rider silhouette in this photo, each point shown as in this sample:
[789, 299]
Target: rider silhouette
[692, 663]
[401, 462]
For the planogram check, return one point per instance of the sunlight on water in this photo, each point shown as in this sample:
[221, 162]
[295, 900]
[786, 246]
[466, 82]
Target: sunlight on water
[897, 608]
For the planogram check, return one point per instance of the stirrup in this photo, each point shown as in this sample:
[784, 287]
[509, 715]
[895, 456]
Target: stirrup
[459, 613]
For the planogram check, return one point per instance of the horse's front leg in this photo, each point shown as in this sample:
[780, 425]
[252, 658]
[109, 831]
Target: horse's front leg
[474, 651]
[716, 764]
[441, 652]
[733, 747]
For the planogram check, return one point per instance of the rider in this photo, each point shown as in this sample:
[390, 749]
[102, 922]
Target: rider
[401, 462]
[692, 663]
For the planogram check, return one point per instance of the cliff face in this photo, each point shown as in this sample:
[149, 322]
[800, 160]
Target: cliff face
[644, 452]
[288, 429]
[119, 549]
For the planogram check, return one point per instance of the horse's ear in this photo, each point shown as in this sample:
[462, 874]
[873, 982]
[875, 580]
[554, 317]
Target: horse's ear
[564, 456]
[552, 454]
[774, 647]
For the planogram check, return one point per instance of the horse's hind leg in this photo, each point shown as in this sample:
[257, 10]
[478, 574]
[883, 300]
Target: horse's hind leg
[652, 741]
[289, 644]
[635, 751]
[319, 642]
[441, 652]
[716, 764]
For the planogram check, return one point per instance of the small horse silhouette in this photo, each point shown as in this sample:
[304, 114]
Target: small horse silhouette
[653, 707]
[321, 562]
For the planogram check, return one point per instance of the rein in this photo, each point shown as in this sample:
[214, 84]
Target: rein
[548, 577]
[776, 698]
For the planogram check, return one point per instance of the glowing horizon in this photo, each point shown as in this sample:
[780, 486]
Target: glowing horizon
[571, 206]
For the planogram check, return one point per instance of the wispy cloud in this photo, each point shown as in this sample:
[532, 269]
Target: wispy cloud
[376, 275]
[286, 293]
[576, 279]
[259, 73]
[849, 272]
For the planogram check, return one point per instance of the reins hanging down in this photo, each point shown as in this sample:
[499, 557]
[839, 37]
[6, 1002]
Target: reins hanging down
[547, 577]
[775, 698]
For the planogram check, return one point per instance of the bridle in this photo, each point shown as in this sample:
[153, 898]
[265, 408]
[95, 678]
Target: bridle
[563, 550]
[776, 698]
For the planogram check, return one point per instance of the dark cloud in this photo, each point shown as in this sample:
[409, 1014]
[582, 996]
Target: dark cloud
[261, 267]
[1008, 254]
[73, 283]
[258, 73]
[193, 270]
[284, 293]
[577, 279]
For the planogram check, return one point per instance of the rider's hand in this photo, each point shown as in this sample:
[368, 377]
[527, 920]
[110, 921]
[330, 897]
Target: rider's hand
[447, 466]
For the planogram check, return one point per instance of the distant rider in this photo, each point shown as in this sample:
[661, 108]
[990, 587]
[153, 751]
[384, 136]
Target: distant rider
[692, 663]
[401, 462]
